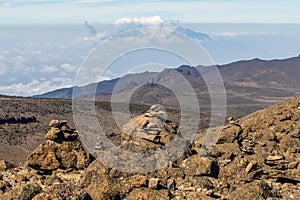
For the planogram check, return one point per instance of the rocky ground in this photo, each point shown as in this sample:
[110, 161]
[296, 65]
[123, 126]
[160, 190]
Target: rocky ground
[256, 157]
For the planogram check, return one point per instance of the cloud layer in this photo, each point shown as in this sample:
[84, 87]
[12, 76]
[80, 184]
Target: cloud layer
[153, 20]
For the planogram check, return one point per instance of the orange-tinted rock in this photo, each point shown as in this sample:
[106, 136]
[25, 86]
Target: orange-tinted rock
[66, 155]
[61, 150]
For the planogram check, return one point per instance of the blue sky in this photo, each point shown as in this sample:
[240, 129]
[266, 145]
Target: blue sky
[106, 11]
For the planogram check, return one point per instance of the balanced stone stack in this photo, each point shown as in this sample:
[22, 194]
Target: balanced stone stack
[59, 130]
[148, 131]
[61, 150]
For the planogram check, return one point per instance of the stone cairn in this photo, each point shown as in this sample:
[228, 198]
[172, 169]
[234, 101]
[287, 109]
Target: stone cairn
[61, 150]
[148, 129]
[147, 126]
[59, 130]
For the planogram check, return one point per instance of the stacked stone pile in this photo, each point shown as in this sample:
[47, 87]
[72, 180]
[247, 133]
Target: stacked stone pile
[61, 150]
[148, 131]
[59, 130]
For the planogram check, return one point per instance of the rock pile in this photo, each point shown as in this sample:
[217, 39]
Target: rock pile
[61, 150]
[148, 131]
[60, 131]
[52, 171]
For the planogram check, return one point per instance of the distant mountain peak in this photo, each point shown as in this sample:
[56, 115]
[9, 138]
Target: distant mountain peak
[192, 34]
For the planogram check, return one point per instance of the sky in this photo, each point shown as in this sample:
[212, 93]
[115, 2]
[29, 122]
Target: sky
[44, 44]
[106, 11]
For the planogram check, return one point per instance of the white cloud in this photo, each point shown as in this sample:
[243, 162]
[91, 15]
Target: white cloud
[62, 81]
[152, 20]
[36, 86]
[20, 66]
[19, 59]
[48, 69]
[234, 34]
[25, 89]
[68, 67]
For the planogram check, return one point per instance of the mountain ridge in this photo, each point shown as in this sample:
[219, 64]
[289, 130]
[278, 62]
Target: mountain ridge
[250, 84]
[237, 67]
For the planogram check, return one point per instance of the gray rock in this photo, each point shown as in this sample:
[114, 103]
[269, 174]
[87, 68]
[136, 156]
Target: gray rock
[153, 183]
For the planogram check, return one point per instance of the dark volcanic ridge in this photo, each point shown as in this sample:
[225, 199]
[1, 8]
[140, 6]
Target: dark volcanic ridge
[252, 80]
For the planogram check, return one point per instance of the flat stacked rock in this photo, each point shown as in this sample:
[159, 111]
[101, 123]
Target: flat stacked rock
[148, 131]
[59, 131]
[61, 150]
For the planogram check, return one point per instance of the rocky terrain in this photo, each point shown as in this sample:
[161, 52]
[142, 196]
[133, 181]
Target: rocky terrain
[255, 157]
